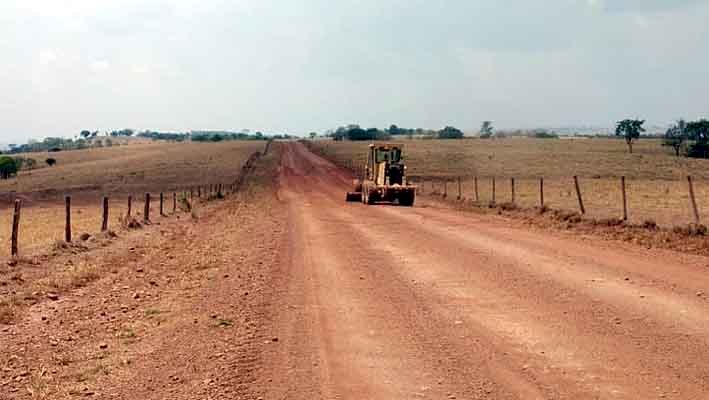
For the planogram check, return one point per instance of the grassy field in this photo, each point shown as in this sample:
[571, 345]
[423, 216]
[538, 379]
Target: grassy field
[135, 168]
[87, 175]
[656, 180]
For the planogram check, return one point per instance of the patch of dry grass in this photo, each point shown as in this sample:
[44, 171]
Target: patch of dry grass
[7, 313]
[75, 276]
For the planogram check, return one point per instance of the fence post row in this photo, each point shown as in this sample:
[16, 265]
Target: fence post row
[146, 212]
[67, 226]
[578, 194]
[695, 210]
[15, 227]
[104, 222]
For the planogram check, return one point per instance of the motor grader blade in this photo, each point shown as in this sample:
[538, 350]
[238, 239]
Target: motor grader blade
[354, 196]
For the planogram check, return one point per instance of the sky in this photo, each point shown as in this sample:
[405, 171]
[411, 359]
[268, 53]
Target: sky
[298, 66]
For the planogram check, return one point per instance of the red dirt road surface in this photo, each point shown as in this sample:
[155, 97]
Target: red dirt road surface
[288, 292]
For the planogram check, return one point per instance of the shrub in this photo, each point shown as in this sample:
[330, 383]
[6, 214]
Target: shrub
[450, 132]
[8, 167]
[698, 150]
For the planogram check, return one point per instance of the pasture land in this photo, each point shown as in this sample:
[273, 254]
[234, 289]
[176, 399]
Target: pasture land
[656, 180]
[88, 175]
[128, 169]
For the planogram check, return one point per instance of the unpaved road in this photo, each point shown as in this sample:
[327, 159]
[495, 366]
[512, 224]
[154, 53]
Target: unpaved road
[287, 292]
[386, 302]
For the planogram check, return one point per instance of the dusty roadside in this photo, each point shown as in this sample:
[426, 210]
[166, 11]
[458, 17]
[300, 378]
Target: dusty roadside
[170, 311]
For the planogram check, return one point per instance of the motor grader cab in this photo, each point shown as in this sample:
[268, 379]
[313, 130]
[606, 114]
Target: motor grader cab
[384, 177]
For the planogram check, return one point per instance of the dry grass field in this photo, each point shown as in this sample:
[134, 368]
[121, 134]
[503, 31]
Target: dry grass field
[132, 169]
[88, 175]
[656, 179]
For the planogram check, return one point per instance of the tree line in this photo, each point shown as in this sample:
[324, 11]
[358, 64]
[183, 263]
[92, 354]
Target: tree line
[9, 166]
[686, 138]
[92, 139]
[690, 138]
[355, 132]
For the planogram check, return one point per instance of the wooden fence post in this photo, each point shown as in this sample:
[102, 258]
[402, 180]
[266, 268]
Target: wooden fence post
[199, 191]
[130, 205]
[67, 226]
[693, 199]
[512, 183]
[541, 192]
[445, 187]
[477, 194]
[460, 190]
[625, 198]
[146, 211]
[15, 228]
[493, 190]
[174, 202]
[162, 214]
[578, 194]
[104, 220]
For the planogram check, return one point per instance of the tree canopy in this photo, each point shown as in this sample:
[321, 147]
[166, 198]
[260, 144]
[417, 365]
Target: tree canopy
[450, 132]
[8, 167]
[676, 136]
[630, 130]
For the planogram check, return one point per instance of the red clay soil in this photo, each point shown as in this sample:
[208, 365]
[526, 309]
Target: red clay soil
[287, 292]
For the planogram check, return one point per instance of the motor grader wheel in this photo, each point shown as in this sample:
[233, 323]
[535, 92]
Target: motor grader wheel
[407, 199]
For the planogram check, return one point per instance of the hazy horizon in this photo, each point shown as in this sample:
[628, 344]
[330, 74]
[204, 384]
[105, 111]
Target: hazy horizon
[295, 67]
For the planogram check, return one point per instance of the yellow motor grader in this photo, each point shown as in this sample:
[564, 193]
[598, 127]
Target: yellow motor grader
[384, 178]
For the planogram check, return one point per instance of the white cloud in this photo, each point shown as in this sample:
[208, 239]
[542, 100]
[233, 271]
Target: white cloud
[47, 57]
[99, 65]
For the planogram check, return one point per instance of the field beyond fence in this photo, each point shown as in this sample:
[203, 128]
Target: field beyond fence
[43, 211]
[656, 185]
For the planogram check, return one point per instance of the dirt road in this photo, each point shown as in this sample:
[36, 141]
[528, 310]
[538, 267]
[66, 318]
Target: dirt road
[386, 302]
[288, 292]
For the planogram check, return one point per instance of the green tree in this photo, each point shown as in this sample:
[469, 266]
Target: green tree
[8, 167]
[630, 130]
[698, 130]
[450, 132]
[676, 136]
[313, 135]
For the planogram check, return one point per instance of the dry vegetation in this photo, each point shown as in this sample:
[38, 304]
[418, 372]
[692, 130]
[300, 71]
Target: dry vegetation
[89, 174]
[656, 179]
[132, 169]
